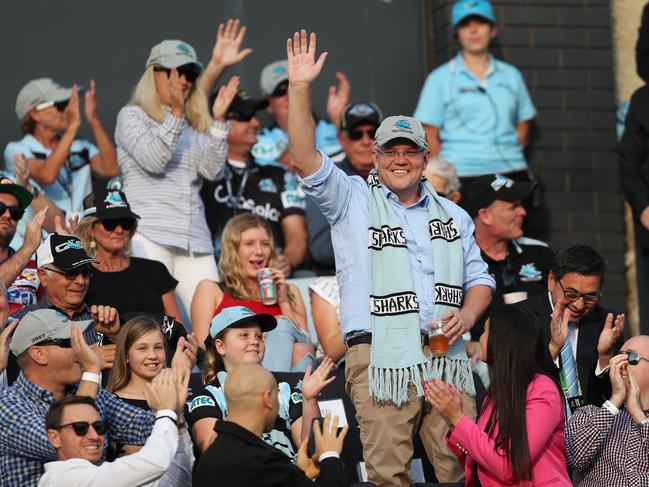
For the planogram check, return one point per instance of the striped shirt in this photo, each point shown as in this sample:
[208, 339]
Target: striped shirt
[163, 166]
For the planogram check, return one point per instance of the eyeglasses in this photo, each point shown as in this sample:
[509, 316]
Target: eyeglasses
[191, 72]
[410, 154]
[572, 295]
[127, 224]
[634, 357]
[71, 274]
[358, 134]
[60, 105]
[241, 116]
[280, 91]
[57, 342]
[81, 427]
[15, 212]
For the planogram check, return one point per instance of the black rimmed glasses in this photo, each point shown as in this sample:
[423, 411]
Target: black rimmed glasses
[15, 212]
[573, 295]
[191, 72]
[81, 427]
[127, 224]
[410, 154]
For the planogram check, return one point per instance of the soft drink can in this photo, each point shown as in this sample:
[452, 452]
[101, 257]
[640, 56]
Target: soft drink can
[437, 340]
[267, 288]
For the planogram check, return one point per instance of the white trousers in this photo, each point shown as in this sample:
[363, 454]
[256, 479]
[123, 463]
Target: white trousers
[186, 267]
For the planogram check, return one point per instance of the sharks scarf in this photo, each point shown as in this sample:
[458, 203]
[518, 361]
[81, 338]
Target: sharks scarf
[396, 355]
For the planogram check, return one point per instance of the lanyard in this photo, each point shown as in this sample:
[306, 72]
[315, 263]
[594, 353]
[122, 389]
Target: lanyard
[234, 198]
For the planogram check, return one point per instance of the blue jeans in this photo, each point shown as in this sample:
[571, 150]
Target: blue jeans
[279, 348]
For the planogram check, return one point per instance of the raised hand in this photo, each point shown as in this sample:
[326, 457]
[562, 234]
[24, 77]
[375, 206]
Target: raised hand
[5, 340]
[446, 400]
[106, 354]
[224, 97]
[633, 402]
[90, 104]
[328, 438]
[314, 383]
[88, 359]
[70, 228]
[72, 110]
[559, 320]
[227, 48]
[21, 168]
[303, 68]
[34, 231]
[338, 99]
[106, 319]
[182, 371]
[176, 93]
[610, 333]
[161, 393]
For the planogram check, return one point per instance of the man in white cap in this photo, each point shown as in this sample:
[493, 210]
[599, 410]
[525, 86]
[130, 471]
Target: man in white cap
[61, 163]
[55, 362]
[422, 266]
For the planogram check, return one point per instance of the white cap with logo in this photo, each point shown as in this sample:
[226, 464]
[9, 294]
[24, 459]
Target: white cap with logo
[38, 91]
[401, 127]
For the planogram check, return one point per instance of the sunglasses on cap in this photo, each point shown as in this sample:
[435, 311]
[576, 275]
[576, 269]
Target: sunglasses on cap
[81, 427]
[56, 342]
[358, 134]
[15, 212]
[191, 72]
[71, 274]
[127, 224]
[60, 105]
[280, 91]
[634, 357]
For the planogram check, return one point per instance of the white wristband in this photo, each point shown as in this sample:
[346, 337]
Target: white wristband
[328, 454]
[170, 413]
[612, 408]
[645, 421]
[90, 377]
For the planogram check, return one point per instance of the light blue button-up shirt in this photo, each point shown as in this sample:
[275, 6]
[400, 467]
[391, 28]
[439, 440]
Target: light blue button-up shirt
[477, 117]
[345, 202]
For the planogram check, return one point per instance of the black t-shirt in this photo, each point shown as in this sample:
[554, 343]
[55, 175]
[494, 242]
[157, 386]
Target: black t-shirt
[136, 289]
[209, 402]
[270, 192]
[525, 269]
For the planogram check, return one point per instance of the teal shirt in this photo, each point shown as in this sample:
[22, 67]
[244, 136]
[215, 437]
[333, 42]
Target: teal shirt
[477, 118]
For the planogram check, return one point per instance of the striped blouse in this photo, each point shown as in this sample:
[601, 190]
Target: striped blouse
[163, 166]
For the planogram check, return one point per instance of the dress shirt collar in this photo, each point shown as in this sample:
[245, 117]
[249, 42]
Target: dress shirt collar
[228, 427]
[32, 390]
[422, 201]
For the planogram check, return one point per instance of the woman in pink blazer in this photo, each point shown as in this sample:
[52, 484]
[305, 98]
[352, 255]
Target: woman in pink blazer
[518, 438]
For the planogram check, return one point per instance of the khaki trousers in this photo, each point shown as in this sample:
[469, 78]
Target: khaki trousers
[387, 431]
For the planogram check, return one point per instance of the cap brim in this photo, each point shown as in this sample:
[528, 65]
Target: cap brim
[250, 106]
[519, 191]
[23, 196]
[67, 333]
[265, 321]
[79, 263]
[61, 94]
[115, 214]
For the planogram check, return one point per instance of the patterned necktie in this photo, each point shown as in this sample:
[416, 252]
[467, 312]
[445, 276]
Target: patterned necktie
[569, 367]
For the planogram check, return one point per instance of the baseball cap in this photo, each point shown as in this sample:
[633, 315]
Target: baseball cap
[171, 54]
[8, 185]
[401, 127]
[360, 113]
[64, 251]
[484, 190]
[107, 204]
[40, 325]
[464, 8]
[38, 91]
[242, 103]
[272, 75]
[239, 317]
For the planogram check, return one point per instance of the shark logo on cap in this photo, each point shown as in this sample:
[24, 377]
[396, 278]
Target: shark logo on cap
[501, 181]
[403, 124]
[183, 48]
[70, 244]
[279, 69]
[114, 199]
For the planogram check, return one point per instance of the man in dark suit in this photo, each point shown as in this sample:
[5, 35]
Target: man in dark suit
[240, 457]
[573, 322]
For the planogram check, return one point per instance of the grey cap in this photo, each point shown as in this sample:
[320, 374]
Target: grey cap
[401, 127]
[41, 325]
[38, 91]
[172, 53]
[272, 75]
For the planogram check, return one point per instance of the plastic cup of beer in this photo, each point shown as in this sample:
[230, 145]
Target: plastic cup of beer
[437, 340]
[267, 288]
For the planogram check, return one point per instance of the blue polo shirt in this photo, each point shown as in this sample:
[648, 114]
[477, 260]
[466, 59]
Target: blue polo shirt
[477, 118]
[345, 202]
[74, 180]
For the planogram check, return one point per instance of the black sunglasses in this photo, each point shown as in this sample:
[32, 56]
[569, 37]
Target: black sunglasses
[281, 90]
[127, 224]
[15, 212]
[358, 134]
[191, 72]
[57, 342]
[81, 427]
[634, 357]
[61, 105]
[71, 274]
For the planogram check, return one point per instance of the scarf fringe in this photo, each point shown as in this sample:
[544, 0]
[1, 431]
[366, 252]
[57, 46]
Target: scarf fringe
[391, 385]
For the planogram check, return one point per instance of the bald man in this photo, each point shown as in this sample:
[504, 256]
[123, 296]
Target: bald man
[610, 445]
[240, 457]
